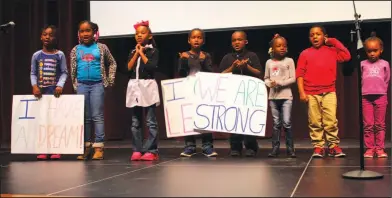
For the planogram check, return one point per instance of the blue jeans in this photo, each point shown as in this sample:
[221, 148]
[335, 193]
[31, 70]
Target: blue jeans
[281, 114]
[206, 141]
[150, 145]
[94, 106]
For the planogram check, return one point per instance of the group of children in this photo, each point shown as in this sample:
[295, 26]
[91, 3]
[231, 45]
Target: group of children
[315, 76]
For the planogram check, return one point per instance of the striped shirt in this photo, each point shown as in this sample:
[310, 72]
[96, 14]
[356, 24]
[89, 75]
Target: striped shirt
[48, 69]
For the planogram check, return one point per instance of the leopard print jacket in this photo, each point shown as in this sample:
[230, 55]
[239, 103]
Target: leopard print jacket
[106, 58]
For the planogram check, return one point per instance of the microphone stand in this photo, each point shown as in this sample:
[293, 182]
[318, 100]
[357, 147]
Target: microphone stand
[361, 173]
[3, 30]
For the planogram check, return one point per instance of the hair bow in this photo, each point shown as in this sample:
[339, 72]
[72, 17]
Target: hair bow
[143, 23]
[96, 36]
[276, 35]
[270, 51]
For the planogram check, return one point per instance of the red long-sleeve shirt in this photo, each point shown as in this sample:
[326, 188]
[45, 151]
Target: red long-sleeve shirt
[318, 66]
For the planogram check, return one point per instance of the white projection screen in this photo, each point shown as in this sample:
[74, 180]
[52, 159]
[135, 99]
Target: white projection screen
[116, 18]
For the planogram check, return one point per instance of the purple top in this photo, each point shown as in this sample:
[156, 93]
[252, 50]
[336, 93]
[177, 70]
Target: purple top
[375, 77]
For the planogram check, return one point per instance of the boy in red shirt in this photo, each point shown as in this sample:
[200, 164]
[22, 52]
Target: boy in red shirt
[316, 77]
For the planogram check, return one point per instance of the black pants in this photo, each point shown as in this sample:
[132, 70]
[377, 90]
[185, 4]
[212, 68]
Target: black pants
[237, 141]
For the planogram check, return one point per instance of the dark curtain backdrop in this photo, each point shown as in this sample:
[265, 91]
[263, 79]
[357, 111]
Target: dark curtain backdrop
[18, 45]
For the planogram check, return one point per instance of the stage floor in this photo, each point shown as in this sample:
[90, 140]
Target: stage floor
[172, 176]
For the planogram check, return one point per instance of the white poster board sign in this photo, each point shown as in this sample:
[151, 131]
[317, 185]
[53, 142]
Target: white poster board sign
[213, 102]
[47, 126]
[230, 103]
[178, 106]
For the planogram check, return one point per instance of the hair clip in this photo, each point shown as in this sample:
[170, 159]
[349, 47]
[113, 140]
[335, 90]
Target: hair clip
[143, 23]
[96, 36]
[270, 50]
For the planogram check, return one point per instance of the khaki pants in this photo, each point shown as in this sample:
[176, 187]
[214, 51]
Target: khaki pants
[322, 118]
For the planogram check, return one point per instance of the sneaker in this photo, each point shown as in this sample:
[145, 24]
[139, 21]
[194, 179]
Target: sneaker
[274, 152]
[381, 153]
[250, 153]
[369, 153]
[136, 156]
[209, 152]
[149, 157]
[290, 152]
[318, 152]
[188, 152]
[336, 152]
[235, 153]
[55, 156]
[42, 157]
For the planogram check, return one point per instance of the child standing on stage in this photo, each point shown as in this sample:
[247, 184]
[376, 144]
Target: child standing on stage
[375, 80]
[88, 66]
[242, 62]
[48, 71]
[142, 93]
[316, 74]
[190, 63]
[279, 75]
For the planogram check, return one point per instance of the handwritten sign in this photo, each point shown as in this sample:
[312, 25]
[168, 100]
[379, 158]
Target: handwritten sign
[211, 102]
[230, 103]
[178, 106]
[47, 126]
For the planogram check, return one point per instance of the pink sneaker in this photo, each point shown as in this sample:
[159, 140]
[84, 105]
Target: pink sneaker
[381, 153]
[42, 157]
[136, 156]
[55, 156]
[149, 157]
[369, 153]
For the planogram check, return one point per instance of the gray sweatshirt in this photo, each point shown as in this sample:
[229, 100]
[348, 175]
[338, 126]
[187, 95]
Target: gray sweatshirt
[283, 73]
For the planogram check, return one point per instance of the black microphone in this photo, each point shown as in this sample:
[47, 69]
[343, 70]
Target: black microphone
[7, 25]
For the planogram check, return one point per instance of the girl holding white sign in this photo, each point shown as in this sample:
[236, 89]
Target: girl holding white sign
[279, 75]
[88, 65]
[142, 93]
[48, 71]
[190, 63]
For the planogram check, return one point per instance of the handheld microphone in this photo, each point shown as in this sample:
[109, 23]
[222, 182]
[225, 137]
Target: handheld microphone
[7, 25]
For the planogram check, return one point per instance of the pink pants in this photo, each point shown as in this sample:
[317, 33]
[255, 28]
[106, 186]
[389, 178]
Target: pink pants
[374, 109]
